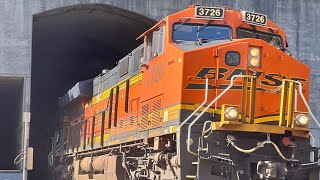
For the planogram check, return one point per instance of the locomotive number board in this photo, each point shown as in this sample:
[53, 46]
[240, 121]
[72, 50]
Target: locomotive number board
[209, 12]
[254, 18]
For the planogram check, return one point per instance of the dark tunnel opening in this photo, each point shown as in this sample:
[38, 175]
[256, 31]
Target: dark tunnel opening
[11, 95]
[72, 44]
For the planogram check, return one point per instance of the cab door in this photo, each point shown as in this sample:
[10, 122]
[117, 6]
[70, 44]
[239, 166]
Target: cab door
[152, 93]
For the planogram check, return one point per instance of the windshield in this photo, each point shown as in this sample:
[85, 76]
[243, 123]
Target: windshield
[273, 39]
[193, 32]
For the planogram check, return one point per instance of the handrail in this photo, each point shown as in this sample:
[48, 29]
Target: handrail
[295, 99]
[218, 97]
[208, 106]
[309, 110]
[190, 116]
[306, 103]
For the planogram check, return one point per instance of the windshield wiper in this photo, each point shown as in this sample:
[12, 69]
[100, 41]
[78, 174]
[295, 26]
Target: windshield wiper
[179, 41]
[200, 28]
[199, 41]
[181, 24]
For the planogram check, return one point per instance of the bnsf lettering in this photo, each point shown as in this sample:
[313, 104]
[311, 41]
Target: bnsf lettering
[237, 72]
[272, 79]
[211, 73]
[243, 72]
[258, 74]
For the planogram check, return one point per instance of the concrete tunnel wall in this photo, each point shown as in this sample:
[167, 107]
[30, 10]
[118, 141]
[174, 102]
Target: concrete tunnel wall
[298, 18]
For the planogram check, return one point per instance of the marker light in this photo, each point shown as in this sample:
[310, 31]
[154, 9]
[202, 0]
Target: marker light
[231, 113]
[254, 51]
[286, 141]
[301, 119]
[254, 62]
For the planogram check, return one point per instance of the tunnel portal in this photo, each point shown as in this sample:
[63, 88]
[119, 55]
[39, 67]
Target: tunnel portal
[72, 44]
[11, 95]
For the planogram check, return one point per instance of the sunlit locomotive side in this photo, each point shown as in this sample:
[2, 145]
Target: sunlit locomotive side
[211, 93]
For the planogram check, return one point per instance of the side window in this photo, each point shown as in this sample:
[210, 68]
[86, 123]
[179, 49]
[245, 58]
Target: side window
[157, 42]
[154, 44]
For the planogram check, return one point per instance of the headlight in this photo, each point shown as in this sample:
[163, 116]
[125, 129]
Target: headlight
[254, 57]
[254, 62]
[231, 113]
[254, 51]
[301, 119]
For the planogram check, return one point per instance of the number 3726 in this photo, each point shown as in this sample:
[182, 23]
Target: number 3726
[255, 18]
[210, 12]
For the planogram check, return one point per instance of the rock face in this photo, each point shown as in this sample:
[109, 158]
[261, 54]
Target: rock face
[18, 17]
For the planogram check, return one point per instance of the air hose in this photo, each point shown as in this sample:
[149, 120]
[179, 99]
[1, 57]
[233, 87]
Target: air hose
[231, 140]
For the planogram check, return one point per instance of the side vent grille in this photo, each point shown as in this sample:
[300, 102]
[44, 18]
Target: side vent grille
[151, 113]
[132, 120]
[137, 59]
[144, 123]
[121, 124]
[156, 118]
[141, 52]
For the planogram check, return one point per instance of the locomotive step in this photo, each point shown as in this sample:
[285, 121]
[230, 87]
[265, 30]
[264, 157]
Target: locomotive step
[191, 176]
[203, 149]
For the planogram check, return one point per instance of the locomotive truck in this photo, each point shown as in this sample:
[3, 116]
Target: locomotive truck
[212, 93]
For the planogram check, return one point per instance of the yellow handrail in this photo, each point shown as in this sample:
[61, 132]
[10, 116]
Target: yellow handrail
[245, 81]
[287, 102]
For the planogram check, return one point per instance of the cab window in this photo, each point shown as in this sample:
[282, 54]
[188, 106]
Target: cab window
[154, 44]
[193, 32]
[272, 39]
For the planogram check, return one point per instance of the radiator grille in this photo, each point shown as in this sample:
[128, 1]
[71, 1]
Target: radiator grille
[121, 124]
[151, 113]
[132, 120]
[156, 118]
[137, 59]
[144, 123]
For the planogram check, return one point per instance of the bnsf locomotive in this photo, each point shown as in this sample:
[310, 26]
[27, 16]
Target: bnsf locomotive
[212, 93]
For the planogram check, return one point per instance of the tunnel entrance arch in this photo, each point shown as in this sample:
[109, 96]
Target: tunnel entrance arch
[71, 44]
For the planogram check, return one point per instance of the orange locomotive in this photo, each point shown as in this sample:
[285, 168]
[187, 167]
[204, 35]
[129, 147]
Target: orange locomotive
[211, 93]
